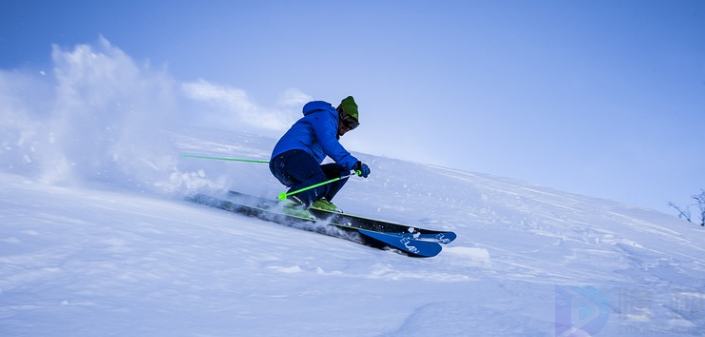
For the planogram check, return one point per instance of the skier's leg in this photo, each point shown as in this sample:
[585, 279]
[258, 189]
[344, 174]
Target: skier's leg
[333, 171]
[301, 170]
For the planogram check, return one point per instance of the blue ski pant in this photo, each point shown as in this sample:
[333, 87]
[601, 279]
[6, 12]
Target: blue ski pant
[297, 169]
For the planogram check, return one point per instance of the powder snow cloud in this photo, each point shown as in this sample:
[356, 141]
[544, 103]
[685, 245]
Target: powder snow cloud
[100, 115]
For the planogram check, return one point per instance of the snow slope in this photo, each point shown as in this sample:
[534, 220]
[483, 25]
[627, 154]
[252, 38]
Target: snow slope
[124, 255]
[97, 240]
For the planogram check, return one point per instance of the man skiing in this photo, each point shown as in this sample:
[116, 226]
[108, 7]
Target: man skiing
[297, 157]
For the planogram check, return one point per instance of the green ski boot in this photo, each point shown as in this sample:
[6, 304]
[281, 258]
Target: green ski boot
[294, 207]
[325, 205]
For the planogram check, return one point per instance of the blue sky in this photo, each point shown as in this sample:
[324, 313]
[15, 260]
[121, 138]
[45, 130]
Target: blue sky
[602, 98]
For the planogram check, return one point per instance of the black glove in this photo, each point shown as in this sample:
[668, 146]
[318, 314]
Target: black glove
[362, 169]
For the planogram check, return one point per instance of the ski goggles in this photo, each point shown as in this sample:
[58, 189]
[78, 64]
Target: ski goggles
[349, 122]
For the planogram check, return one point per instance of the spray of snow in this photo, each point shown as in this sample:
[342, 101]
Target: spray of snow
[101, 116]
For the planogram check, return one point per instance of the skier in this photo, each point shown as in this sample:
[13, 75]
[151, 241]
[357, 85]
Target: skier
[297, 157]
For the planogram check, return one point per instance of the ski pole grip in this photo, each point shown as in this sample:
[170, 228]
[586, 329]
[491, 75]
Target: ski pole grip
[358, 172]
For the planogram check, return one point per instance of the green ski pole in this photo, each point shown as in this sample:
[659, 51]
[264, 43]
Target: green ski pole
[227, 159]
[284, 195]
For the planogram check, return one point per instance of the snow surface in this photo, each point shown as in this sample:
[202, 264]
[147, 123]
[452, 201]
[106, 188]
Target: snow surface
[102, 258]
[96, 238]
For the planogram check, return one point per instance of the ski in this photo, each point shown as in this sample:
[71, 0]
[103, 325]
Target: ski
[360, 222]
[404, 244]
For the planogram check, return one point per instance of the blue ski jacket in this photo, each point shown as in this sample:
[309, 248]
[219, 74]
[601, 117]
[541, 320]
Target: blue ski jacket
[317, 134]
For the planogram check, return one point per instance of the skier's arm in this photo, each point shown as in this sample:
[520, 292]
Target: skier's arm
[325, 127]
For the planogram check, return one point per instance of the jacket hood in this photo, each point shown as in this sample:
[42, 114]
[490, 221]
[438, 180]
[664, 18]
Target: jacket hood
[315, 106]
